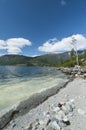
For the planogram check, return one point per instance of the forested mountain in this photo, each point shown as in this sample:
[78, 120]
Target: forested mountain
[62, 59]
[49, 59]
[14, 60]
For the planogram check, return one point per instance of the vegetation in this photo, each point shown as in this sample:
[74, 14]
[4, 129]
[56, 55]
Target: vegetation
[14, 60]
[72, 62]
[56, 60]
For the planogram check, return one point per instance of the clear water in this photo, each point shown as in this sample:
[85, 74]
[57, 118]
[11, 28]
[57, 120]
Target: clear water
[19, 83]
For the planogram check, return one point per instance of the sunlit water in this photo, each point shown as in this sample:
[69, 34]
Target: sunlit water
[19, 83]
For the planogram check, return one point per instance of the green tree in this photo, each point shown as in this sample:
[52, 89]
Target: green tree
[73, 43]
[72, 53]
[85, 54]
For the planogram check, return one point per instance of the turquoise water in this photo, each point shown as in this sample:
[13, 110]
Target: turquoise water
[19, 83]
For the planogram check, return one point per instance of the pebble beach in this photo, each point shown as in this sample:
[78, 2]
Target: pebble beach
[65, 110]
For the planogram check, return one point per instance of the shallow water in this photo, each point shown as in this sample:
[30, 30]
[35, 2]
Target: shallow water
[19, 83]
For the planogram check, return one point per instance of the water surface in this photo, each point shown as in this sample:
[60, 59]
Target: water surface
[19, 83]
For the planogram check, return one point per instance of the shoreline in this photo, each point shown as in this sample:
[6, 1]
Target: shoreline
[46, 115]
[40, 97]
[32, 102]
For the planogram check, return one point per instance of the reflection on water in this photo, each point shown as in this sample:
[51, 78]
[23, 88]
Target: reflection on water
[18, 83]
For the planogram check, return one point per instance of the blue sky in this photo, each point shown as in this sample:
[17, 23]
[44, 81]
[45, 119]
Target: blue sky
[35, 27]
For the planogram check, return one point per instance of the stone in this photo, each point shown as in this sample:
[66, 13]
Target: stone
[69, 107]
[62, 124]
[48, 121]
[71, 102]
[47, 114]
[60, 115]
[80, 111]
[40, 127]
[54, 119]
[65, 110]
[49, 128]
[56, 109]
[14, 125]
[60, 104]
[84, 75]
[55, 125]
[41, 122]
[66, 120]
[28, 127]
[32, 125]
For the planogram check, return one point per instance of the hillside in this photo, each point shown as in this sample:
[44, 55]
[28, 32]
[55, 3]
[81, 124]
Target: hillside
[49, 59]
[62, 59]
[14, 60]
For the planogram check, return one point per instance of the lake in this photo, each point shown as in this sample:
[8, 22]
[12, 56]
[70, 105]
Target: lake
[19, 83]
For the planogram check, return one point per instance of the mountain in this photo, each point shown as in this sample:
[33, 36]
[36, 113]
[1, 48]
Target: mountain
[50, 59]
[14, 60]
[43, 60]
[62, 59]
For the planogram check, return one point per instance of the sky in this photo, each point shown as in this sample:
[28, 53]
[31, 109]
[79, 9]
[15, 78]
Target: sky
[37, 27]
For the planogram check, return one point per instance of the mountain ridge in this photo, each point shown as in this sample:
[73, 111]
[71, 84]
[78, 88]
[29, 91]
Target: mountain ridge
[60, 59]
[47, 59]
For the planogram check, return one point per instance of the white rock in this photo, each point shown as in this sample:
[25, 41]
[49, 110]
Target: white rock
[55, 125]
[71, 100]
[47, 114]
[41, 122]
[69, 107]
[65, 110]
[71, 103]
[60, 104]
[60, 115]
[76, 75]
[49, 128]
[82, 112]
[61, 124]
[65, 118]
[56, 109]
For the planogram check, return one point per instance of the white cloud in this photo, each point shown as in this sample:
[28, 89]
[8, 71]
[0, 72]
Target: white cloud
[63, 2]
[34, 55]
[55, 46]
[14, 45]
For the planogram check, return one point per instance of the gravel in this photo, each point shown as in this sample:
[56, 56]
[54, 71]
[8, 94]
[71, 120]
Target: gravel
[63, 111]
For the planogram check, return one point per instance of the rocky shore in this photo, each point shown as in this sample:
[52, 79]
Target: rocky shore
[63, 111]
[55, 119]
[76, 71]
[25, 106]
